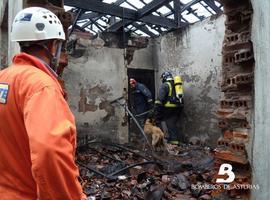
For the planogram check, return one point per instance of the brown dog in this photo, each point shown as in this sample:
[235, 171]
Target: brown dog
[155, 132]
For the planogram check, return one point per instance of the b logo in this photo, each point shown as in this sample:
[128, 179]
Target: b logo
[223, 170]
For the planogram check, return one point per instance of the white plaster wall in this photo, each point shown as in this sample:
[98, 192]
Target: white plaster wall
[195, 54]
[2, 9]
[261, 148]
[14, 6]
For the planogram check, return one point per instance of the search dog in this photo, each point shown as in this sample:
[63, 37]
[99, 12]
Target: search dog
[155, 133]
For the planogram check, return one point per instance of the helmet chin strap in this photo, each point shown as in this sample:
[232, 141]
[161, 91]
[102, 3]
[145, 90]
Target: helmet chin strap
[55, 59]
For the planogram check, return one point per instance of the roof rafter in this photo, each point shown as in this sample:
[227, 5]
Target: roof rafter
[152, 6]
[153, 18]
[177, 12]
[95, 16]
[146, 10]
[111, 9]
[207, 8]
[144, 29]
[212, 5]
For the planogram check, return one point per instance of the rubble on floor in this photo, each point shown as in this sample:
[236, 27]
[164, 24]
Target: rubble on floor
[113, 171]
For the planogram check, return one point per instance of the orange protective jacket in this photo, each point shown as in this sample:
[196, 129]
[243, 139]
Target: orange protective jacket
[37, 135]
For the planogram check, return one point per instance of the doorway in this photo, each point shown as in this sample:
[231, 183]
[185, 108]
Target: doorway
[146, 77]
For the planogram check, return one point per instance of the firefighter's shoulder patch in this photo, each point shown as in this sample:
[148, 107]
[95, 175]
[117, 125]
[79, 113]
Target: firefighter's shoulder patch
[3, 93]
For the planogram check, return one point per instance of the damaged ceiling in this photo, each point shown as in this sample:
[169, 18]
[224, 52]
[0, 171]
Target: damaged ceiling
[139, 17]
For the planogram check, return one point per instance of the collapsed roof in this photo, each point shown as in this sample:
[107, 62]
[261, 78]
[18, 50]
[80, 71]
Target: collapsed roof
[140, 17]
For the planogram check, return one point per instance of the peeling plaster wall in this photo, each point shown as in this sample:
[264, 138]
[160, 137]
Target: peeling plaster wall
[100, 76]
[2, 10]
[195, 54]
[143, 58]
[92, 81]
[3, 47]
[261, 148]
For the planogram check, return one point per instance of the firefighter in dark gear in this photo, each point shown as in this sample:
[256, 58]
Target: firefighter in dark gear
[168, 107]
[141, 100]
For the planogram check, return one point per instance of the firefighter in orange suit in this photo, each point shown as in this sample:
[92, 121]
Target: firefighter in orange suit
[37, 129]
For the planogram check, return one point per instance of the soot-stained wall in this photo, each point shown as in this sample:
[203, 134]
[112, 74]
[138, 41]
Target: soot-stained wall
[100, 76]
[195, 54]
[93, 80]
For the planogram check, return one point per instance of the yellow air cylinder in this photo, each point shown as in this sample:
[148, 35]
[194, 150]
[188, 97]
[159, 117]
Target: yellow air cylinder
[178, 84]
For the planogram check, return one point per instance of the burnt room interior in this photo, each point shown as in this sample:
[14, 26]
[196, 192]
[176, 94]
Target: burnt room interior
[218, 47]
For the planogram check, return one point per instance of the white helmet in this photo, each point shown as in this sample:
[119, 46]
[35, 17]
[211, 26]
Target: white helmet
[35, 23]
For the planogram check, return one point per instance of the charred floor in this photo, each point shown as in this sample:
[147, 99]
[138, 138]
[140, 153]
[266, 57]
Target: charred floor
[113, 171]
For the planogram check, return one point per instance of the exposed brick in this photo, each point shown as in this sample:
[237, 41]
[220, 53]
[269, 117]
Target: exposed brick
[229, 58]
[237, 15]
[234, 38]
[223, 112]
[244, 36]
[237, 115]
[241, 102]
[228, 134]
[229, 143]
[224, 142]
[237, 147]
[236, 81]
[242, 174]
[232, 20]
[227, 123]
[232, 7]
[246, 15]
[223, 124]
[243, 55]
[243, 79]
[240, 135]
[235, 107]
[230, 156]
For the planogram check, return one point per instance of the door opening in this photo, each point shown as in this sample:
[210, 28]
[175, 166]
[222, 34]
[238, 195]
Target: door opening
[146, 77]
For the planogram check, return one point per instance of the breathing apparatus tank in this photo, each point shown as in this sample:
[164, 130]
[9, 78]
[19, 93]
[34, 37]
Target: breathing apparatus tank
[178, 84]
